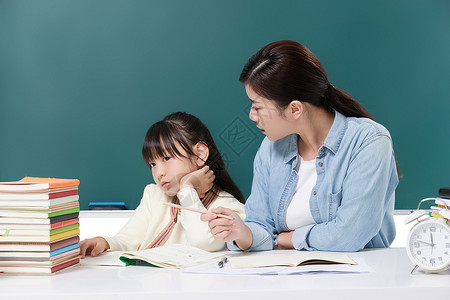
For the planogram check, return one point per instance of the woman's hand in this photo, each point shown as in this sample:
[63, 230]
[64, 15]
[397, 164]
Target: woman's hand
[93, 247]
[226, 230]
[201, 180]
[284, 240]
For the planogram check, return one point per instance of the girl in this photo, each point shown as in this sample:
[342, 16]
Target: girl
[182, 155]
[324, 176]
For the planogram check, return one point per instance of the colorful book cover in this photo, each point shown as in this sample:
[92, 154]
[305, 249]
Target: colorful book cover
[40, 255]
[40, 246]
[27, 184]
[53, 220]
[52, 194]
[37, 239]
[39, 264]
[39, 226]
[37, 232]
[42, 214]
[52, 182]
[18, 204]
[40, 270]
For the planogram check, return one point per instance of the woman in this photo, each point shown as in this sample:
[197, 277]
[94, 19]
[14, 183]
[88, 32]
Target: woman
[325, 175]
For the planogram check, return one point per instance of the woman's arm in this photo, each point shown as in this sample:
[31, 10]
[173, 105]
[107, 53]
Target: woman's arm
[257, 233]
[259, 215]
[284, 240]
[259, 221]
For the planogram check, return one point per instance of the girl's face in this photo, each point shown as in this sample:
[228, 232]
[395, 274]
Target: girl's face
[167, 171]
[267, 116]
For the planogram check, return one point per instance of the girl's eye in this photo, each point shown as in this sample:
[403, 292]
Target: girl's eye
[255, 108]
[166, 158]
[152, 164]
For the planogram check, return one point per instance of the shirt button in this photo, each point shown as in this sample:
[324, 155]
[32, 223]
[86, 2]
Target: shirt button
[323, 149]
[320, 163]
[315, 193]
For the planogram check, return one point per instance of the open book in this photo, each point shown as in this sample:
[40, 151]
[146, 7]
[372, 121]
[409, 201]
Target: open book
[298, 258]
[167, 256]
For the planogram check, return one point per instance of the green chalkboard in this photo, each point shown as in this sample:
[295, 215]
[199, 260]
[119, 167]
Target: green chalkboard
[81, 82]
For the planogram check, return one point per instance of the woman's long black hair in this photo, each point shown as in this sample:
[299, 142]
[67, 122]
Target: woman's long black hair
[284, 71]
[187, 130]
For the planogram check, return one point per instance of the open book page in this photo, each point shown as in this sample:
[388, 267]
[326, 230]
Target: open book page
[111, 258]
[292, 259]
[213, 268]
[167, 256]
[170, 256]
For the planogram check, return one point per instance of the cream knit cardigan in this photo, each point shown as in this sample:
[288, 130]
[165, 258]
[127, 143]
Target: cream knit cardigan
[151, 217]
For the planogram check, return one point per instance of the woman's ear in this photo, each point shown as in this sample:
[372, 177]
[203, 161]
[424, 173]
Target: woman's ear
[296, 109]
[201, 151]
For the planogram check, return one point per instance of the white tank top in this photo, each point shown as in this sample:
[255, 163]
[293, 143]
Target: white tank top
[298, 213]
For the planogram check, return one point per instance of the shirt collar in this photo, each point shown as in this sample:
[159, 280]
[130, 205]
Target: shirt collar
[337, 131]
[291, 151]
[332, 141]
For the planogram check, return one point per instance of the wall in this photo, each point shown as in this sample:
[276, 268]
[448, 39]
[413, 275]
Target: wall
[81, 82]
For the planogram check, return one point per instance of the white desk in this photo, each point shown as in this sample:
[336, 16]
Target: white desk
[109, 222]
[391, 280]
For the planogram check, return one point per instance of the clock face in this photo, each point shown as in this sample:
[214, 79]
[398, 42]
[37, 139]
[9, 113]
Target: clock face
[429, 245]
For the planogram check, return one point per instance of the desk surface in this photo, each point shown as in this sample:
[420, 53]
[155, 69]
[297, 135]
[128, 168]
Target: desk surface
[391, 280]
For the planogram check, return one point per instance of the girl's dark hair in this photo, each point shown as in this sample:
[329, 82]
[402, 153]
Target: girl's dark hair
[187, 130]
[284, 71]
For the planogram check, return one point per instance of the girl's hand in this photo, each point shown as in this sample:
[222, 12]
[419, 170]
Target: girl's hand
[284, 240]
[201, 180]
[93, 247]
[225, 230]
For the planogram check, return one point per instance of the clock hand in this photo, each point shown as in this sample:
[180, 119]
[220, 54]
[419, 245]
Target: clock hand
[432, 244]
[424, 243]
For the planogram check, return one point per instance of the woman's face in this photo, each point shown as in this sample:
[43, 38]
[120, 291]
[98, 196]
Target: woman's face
[267, 116]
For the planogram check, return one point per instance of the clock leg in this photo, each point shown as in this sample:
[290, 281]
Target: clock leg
[414, 270]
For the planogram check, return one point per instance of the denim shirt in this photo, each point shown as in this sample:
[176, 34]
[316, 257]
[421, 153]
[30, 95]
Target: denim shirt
[352, 202]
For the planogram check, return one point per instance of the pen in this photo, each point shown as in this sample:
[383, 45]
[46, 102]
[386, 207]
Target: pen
[195, 210]
[222, 262]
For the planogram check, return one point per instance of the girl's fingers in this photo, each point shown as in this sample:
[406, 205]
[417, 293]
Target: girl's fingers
[205, 170]
[84, 248]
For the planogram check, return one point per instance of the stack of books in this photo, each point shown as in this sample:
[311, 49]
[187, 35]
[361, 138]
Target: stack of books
[39, 225]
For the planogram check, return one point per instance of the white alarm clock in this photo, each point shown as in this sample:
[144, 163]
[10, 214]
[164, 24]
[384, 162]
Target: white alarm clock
[428, 242]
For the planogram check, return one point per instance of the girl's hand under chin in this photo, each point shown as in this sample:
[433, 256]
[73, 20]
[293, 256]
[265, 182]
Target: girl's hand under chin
[201, 180]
